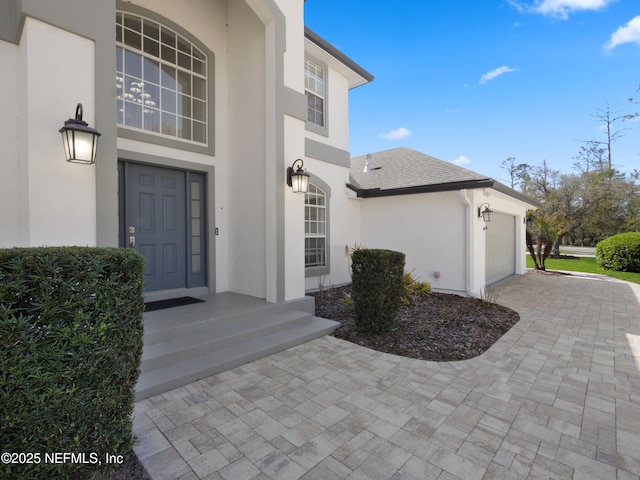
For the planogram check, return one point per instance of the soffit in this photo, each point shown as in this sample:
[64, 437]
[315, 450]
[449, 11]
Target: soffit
[321, 51]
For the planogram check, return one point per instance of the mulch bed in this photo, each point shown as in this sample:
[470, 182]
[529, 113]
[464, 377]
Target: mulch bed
[438, 327]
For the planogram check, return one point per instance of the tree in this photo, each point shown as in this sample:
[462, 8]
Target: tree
[607, 118]
[590, 204]
[542, 230]
[518, 174]
[541, 182]
[631, 199]
[633, 116]
[589, 158]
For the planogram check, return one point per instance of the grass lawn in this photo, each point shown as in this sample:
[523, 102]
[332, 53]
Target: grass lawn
[584, 264]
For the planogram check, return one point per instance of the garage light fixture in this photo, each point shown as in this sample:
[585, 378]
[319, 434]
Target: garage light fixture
[486, 214]
[79, 139]
[298, 179]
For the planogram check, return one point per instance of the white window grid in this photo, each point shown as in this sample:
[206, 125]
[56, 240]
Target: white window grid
[314, 83]
[315, 227]
[161, 80]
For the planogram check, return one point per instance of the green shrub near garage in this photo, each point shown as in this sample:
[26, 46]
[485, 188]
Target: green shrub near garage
[620, 252]
[71, 333]
[377, 288]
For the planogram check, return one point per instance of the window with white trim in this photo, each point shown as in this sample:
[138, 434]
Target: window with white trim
[161, 80]
[315, 228]
[314, 84]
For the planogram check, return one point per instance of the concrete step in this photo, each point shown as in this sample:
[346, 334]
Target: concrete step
[212, 335]
[182, 364]
[220, 311]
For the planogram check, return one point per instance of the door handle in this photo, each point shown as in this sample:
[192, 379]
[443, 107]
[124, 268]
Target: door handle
[132, 241]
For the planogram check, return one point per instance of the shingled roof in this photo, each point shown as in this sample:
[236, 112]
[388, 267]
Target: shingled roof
[403, 171]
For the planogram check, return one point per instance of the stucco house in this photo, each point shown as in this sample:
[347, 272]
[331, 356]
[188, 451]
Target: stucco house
[203, 107]
[432, 211]
[212, 98]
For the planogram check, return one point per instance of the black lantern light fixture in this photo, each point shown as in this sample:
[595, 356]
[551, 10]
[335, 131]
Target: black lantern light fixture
[486, 214]
[297, 178]
[79, 139]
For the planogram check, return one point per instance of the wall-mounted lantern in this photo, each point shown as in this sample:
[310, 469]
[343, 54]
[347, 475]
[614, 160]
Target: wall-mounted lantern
[79, 139]
[486, 214]
[297, 178]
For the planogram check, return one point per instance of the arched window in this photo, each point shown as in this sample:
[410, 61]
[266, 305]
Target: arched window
[316, 230]
[161, 80]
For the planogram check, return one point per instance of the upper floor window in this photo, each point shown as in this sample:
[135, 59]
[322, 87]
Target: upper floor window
[161, 80]
[314, 84]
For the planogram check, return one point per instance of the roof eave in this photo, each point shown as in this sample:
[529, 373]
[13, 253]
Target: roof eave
[515, 194]
[439, 187]
[365, 76]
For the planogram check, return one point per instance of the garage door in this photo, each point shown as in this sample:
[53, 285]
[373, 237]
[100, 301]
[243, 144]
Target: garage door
[500, 247]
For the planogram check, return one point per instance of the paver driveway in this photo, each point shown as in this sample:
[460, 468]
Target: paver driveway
[557, 397]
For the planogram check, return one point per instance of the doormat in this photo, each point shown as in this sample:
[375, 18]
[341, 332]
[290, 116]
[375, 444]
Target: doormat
[173, 302]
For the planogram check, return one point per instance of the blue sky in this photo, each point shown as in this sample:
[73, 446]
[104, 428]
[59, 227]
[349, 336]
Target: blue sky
[476, 81]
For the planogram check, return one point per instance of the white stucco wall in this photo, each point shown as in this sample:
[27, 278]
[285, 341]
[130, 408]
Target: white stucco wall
[51, 202]
[441, 232]
[13, 184]
[344, 208]
[294, 148]
[248, 154]
[267, 219]
[294, 215]
[344, 228]
[428, 228]
[294, 55]
[337, 111]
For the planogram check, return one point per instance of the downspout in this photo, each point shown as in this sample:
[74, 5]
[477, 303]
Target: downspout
[469, 241]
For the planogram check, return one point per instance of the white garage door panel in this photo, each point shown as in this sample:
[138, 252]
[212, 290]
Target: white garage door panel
[500, 247]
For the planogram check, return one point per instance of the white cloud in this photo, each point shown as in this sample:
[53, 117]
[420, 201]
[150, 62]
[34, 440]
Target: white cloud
[461, 160]
[396, 134]
[628, 33]
[495, 73]
[562, 8]
[559, 8]
[517, 5]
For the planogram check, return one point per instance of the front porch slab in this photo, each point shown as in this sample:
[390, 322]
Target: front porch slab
[187, 343]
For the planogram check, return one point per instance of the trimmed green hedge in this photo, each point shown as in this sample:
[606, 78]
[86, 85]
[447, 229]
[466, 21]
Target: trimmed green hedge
[377, 288]
[71, 333]
[620, 252]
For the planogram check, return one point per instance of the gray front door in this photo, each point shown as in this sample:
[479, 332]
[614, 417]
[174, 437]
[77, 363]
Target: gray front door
[155, 223]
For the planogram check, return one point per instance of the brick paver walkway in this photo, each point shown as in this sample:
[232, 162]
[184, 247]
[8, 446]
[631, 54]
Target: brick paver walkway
[557, 397]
